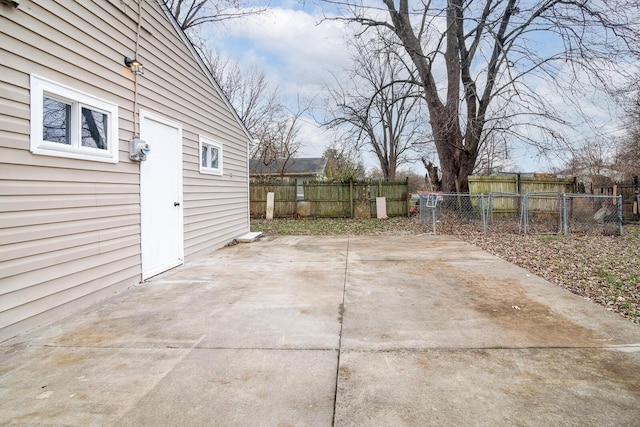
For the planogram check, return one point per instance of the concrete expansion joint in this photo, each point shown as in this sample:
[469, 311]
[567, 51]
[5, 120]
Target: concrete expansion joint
[143, 346]
[186, 346]
[629, 348]
[341, 318]
[268, 348]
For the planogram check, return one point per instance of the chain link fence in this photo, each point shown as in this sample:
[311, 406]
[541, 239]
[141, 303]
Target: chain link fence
[592, 214]
[531, 213]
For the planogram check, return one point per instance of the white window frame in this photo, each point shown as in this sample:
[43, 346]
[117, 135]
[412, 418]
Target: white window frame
[41, 87]
[209, 143]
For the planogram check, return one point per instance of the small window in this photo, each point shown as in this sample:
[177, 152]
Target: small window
[69, 123]
[210, 157]
[55, 121]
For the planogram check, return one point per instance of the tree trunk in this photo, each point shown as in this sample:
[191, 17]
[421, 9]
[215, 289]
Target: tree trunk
[457, 152]
[433, 177]
[457, 169]
[456, 162]
[391, 176]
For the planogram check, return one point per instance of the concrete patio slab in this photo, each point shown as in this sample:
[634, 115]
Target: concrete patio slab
[464, 298]
[488, 387]
[322, 331]
[57, 385]
[240, 387]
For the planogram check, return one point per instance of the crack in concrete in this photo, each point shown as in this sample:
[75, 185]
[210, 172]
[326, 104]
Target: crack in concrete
[341, 318]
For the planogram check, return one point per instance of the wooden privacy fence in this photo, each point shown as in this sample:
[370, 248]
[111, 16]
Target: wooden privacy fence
[285, 199]
[544, 192]
[507, 190]
[354, 199]
[630, 192]
[518, 184]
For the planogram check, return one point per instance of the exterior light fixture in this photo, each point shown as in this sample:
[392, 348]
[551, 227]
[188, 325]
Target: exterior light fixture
[12, 3]
[134, 65]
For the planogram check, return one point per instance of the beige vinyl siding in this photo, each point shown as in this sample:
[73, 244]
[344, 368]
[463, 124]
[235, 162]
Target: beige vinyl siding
[57, 305]
[70, 229]
[215, 207]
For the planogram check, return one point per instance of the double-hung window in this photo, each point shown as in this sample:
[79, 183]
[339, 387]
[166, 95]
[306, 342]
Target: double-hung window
[210, 157]
[69, 123]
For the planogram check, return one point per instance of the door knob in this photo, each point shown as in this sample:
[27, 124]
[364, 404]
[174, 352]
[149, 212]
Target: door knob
[176, 203]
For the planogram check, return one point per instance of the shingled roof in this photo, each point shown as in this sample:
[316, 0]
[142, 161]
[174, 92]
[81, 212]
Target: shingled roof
[294, 166]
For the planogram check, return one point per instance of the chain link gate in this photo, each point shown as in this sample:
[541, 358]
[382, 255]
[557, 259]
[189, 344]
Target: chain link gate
[451, 212]
[541, 213]
[503, 212]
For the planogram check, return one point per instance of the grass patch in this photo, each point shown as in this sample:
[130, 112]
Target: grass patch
[549, 237]
[610, 279]
[632, 233]
[337, 226]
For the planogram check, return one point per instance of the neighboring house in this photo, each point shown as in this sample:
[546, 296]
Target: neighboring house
[596, 176]
[295, 169]
[79, 219]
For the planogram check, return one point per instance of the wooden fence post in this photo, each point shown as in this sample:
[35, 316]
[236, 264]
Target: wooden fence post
[351, 197]
[408, 208]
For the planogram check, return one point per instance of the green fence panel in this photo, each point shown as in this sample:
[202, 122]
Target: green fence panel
[285, 199]
[328, 200]
[396, 194]
[332, 199]
[518, 184]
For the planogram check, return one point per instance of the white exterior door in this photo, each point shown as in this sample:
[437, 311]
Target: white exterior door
[161, 195]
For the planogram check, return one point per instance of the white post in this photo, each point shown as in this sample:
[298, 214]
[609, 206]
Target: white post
[381, 207]
[270, 204]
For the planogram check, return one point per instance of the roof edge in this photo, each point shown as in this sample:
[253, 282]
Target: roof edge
[205, 69]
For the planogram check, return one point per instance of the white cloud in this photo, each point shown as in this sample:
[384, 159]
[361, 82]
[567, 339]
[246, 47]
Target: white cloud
[314, 139]
[293, 46]
[299, 52]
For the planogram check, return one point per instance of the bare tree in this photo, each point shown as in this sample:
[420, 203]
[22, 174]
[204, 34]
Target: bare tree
[592, 162]
[193, 13]
[494, 152]
[615, 156]
[627, 157]
[257, 103]
[627, 160]
[261, 107]
[378, 110]
[274, 127]
[280, 143]
[471, 53]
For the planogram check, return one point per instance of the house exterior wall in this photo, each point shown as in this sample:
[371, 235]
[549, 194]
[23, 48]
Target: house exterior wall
[70, 228]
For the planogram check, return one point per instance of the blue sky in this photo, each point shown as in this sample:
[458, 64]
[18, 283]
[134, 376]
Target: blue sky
[296, 52]
[300, 54]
